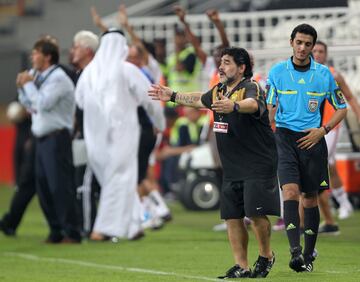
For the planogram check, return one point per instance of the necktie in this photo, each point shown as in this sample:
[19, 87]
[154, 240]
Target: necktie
[38, 80]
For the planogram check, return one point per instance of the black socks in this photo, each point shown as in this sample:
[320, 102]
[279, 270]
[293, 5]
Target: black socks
[311, 226]
[292, 222]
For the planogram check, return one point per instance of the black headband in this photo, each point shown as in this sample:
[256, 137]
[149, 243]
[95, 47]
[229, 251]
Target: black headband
[113, 31]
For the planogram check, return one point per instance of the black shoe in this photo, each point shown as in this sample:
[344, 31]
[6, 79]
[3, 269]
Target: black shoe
[297, 262]
[309, 267]
[236, 272]
[262, 267]
[54, 238]
[329, 229]
[7, 231]
[166, 218]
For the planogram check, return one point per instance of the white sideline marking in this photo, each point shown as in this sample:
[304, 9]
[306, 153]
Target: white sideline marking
[341, 272]
[105, 266]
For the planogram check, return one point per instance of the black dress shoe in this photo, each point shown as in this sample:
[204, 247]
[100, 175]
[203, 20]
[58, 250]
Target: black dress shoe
[54, 239]
[7, 231]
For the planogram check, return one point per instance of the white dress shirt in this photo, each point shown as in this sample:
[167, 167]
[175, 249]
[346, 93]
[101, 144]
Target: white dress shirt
[52, 105]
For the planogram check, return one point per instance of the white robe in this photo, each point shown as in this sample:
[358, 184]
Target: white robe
[109, 91]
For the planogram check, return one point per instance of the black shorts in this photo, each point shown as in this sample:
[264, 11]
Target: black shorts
[307, 168]
[146, 146]
[255, 197]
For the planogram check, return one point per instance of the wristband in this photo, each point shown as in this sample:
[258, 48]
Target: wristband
[173, 97]
[236, 107]
[326, 128]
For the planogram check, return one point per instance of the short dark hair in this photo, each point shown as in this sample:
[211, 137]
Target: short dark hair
[305, 29]
[319, 42]
[48, 48]
[149, 46]
[241, 57]
[160, 40]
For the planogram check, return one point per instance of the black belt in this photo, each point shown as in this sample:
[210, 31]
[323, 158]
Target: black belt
[53, 133]
[290, 132]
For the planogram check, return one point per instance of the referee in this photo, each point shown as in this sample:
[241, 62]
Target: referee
[298, 86]
[247, 151]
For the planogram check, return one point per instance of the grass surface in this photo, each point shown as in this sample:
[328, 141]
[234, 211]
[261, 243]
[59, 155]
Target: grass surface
[185, 250]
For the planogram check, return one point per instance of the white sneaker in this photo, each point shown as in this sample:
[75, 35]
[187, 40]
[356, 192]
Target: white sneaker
[220, 227]
[345, 211]
[154, 223]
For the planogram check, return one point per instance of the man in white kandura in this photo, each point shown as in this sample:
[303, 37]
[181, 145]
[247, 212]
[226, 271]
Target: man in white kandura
[110, 90]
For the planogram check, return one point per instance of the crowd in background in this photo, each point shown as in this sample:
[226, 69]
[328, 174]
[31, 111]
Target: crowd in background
[92, 194]
[133, 144]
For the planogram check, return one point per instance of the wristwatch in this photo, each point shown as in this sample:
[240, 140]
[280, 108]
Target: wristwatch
[326, 128]
[173, 97]
[236, 107]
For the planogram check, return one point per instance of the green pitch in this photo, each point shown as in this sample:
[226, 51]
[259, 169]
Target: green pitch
[185, 250]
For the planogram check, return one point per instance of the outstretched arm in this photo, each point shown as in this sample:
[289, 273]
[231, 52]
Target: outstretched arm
[97, 20]
[180, 12]
[214, 17]
[165, 94]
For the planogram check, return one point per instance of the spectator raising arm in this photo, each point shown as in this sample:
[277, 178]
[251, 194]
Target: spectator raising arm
[97, 20]
[135, 39]
[214, 17]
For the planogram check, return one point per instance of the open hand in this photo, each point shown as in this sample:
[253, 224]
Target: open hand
[213, 15]
[180, 12]
[22, 78]
[95, 17]
[159, 92]
[122, 15]
[312, 138]
[223, 105]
